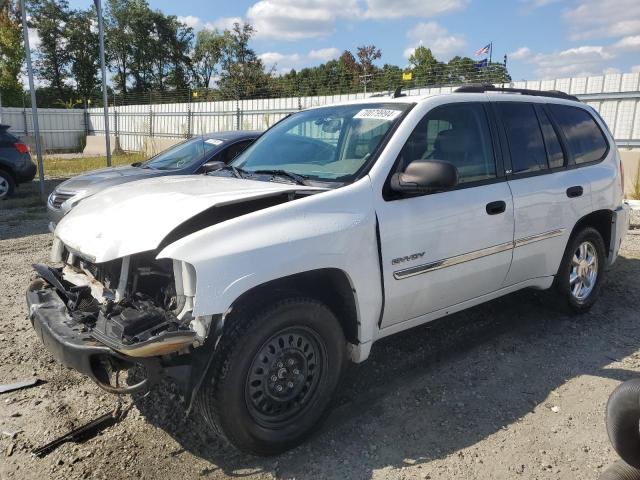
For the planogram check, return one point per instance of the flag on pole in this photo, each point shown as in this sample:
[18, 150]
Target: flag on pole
[482, 64]
[484, 50]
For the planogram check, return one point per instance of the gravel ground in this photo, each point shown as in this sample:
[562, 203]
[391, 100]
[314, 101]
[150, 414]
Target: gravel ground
[509, 389]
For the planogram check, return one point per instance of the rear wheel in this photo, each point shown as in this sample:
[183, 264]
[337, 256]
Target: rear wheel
[7, 185]
[582, 270]
[273, 376]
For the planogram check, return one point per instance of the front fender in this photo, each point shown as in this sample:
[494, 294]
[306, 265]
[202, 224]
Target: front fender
[333, 229]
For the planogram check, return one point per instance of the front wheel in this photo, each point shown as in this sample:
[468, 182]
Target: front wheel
[7, 185]
[581, 274]
[273, 376]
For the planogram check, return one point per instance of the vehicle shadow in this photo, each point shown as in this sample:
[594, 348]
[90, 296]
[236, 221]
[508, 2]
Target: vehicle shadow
[25, 213]
[431, 391]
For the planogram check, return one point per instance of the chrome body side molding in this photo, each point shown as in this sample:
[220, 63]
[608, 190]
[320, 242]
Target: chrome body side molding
[474, 255]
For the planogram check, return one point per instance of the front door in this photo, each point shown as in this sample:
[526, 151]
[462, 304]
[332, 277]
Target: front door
[444, 248]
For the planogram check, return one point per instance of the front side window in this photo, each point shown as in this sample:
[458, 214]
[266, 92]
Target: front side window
[324, 144]
[183, 154]
[524, 137]
[455, 133]
[586, 142]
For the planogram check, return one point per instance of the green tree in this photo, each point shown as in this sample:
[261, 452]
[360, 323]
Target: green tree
[426, 69]
[242, 74]
[118, 37]
[11, 55]
[207, 54]
[84, 52]
[49, 18]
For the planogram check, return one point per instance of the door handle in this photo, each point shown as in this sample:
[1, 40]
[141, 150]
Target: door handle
[494, 208]
[573, 192]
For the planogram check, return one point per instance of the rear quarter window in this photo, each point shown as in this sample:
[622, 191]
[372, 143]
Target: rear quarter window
[584, 137]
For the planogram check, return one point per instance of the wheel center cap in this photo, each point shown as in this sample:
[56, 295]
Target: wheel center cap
[282, 373]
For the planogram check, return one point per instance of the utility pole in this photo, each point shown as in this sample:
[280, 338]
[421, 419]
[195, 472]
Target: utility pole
[34, 105]
[105, 95]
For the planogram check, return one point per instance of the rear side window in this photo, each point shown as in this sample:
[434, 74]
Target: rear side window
[585, 139]
[524, 136]
[555, 155]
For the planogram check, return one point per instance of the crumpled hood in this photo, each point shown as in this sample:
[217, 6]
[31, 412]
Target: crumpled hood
[136, 217]
[107, 177]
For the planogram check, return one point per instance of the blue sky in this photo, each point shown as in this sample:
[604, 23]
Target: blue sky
[542, 38]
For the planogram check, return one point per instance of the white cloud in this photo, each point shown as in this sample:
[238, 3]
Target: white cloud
[284, 62]
[324, 54]
[630, 43]
[603, 18]
[520, 54]
[223, 23]
[34, 39]
[437, 38]
[411, 8]
[636, 68]
[190, 21]
[579, 61]
[297, 19]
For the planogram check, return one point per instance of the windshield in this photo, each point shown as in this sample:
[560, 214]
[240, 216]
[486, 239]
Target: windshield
[183, 154]
[325, 144]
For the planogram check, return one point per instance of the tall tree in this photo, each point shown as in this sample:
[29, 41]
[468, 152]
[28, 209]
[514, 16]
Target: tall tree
[49, 18]
[11, 55]
[207, 54]
[242, 72]
[84, 51]
[118, 36]
[367, 54]
[426, 69]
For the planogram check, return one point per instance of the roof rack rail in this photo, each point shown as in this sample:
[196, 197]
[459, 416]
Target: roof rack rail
[481, 88]
[395, 94]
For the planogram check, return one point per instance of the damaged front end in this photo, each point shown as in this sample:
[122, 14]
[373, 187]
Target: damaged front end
[134, 312]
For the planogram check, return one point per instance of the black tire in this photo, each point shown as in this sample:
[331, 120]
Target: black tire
[620, 471]
[238, 392]
[623, 415]
[7, 185]
[566, 299]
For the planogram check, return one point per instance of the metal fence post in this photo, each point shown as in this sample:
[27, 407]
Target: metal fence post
[238, 115]
[189, 115]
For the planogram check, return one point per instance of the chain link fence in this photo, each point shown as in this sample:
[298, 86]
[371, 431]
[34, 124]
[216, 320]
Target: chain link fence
[149, 121]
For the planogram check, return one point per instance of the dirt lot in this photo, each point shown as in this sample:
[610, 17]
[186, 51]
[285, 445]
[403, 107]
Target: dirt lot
[510, 389]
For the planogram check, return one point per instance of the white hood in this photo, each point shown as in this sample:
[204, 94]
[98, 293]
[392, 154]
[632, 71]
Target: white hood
[136, 217]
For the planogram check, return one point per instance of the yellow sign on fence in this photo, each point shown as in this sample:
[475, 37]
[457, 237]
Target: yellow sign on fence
[407, 75]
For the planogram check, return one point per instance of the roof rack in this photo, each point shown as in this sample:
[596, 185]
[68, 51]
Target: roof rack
[481, 88]
[395, 94]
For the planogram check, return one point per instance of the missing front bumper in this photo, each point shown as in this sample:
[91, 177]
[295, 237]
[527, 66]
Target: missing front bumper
[76, 348]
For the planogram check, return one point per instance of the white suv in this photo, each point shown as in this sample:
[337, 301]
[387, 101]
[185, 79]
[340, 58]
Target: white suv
[254, 285]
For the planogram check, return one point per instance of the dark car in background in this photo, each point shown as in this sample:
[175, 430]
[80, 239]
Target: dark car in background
[16, 165]
[185, 158]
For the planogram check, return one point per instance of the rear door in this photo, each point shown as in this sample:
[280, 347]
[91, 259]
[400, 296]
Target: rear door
[548, 195]
[443, 248]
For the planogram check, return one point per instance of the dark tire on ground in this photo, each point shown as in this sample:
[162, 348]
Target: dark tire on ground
[7, 185]
[620, 471]
[562, 290]
[273, 375]
[623, 415]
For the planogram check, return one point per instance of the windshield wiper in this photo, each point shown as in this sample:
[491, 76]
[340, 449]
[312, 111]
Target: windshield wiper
[296, 177]
[237, 172]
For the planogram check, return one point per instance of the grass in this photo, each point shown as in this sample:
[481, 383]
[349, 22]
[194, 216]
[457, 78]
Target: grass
[635, 195]
[66, 167]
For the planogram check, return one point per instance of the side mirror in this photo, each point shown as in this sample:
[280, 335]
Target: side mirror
[425, 176]
[212, 166]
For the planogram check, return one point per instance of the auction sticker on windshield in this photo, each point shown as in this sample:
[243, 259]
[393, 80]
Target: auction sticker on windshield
[377, 114]
[213, 141]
